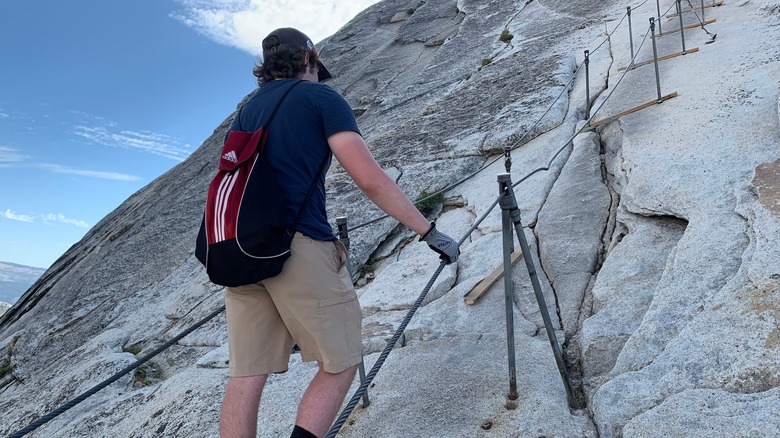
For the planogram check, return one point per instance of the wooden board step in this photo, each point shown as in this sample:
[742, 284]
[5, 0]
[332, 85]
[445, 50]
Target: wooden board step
[482, 287]
[633, 110]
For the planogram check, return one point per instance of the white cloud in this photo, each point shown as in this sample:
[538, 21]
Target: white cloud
[48, 218]
[10, 155]
[8, 214]
[93, 119]
[244, 23]
[114, 176]
[145, 141]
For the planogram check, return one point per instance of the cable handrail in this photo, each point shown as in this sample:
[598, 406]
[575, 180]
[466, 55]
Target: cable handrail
[586, 125]
[667, 10]
[350, 406]
[516, 144]
[83, 396]
[712, 35]
[380, 361]
[377, 365]
[609, 35]
[484, 166]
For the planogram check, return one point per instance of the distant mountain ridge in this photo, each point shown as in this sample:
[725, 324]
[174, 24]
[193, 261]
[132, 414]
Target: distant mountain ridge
[16, 279]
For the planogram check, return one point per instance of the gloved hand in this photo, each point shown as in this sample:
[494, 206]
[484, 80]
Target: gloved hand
[443, 244]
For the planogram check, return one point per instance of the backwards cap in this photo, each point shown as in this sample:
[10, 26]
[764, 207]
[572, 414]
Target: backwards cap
[291, 39]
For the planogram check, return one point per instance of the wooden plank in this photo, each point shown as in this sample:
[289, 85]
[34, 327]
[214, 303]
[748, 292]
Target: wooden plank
[692, 26]
[633, 110]
[477, 291]
[662, 58]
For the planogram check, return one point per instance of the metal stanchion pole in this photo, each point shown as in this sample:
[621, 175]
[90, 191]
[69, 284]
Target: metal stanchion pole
[702, 10]
[341, 223]
[587, 85]
[509, 290]
[658, 10]
[655, 61]
[630, 35]
[682, 28]
[509, 209]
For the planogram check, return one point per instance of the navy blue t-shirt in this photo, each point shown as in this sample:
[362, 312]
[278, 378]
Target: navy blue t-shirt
[298, 142]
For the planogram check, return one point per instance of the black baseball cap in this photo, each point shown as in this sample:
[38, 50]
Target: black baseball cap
[287, 38]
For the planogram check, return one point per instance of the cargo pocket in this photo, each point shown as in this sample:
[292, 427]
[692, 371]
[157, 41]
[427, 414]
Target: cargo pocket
[340, 322]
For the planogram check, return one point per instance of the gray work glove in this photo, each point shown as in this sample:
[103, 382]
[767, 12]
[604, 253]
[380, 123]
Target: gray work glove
[443, 244]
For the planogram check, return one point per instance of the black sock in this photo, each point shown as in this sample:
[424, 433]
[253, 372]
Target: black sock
[299, 432]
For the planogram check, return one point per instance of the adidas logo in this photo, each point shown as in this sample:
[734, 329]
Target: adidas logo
[230, 156]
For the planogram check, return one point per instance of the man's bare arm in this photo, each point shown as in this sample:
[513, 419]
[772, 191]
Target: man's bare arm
[353, 154]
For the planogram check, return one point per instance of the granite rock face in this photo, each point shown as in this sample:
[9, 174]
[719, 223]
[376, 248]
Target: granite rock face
[654, 238]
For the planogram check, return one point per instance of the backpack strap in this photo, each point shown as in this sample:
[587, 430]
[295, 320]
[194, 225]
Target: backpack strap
[311, 190]
[270, 119]
[238, 116]
[322, 165]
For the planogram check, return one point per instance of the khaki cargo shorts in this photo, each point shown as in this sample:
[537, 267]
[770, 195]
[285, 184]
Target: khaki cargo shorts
[311, 303]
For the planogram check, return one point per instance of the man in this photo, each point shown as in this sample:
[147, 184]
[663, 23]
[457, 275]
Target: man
[312, 302]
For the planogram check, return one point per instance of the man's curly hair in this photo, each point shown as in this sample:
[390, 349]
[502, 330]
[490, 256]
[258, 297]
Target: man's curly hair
[282, 64]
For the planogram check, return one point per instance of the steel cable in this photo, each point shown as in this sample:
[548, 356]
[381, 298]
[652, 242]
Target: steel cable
[667, 10]
[53, 414]
[391, 344]
[347, 411]
[378, 364]
[609, 35]
[517, 143]
[586, 125]
[713, 35]
[450, 187]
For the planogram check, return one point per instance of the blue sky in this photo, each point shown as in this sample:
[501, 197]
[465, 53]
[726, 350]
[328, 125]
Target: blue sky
[100, 97]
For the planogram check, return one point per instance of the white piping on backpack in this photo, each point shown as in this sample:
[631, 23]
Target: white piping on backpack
[238, 242]
[223, 197]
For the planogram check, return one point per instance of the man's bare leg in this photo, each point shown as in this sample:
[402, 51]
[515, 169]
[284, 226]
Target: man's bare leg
[322, 400]
[238, 418]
